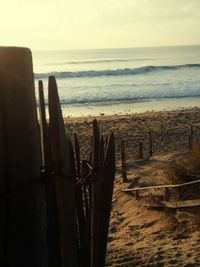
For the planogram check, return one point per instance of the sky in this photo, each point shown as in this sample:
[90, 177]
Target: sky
[85, 24]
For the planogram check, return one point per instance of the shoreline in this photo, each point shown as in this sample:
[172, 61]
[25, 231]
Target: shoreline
[127, 108]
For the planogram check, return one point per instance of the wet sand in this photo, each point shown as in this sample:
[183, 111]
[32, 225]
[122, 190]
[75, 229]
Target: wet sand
[112, 108]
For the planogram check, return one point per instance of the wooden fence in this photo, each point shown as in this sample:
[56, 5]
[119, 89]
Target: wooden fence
[148, 152]
[55, 206]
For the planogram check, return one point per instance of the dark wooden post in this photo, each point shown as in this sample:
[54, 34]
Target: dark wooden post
[137, 194]
[63, 180]
[192, 135]
[96, 191]
[86, 189]
[140, 150]
[150, 144]
[123, 161]
[24, 236]
[3, 202]
[167, 194]
[84, 253]
[189, 142]
[52, 222]
[77, 154]
[108, 176]
[87, 194]
[102, 151]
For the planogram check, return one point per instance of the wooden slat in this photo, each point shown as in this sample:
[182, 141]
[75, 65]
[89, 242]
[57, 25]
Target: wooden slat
[63, 180]
[108, 175]
[123, 161]
[96, 205]
[160, 186]
[150, 144]
[3, 202]
[192, 135]
[87, 203]
[25, 234]
[181, 204]
[77, 155]
[84, 253]
[52, 223]
[175, 204]
[101, 152]
[141, 150]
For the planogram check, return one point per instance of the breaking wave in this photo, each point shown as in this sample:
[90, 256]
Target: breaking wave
[117, 72]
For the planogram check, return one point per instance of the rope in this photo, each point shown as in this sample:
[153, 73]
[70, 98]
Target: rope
[40, 179]
[44, 177]
[86, 178]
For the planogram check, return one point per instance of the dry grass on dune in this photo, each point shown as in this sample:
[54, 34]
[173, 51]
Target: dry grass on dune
[187, 168]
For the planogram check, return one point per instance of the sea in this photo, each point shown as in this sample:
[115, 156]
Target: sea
[123, 80]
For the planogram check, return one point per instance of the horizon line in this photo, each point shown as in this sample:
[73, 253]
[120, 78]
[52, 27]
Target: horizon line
[111, 48]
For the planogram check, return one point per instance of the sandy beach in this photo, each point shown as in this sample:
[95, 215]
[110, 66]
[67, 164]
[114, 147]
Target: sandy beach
[139, 235]
[169, 130]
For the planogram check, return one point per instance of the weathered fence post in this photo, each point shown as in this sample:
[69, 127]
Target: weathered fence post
[192, 135]
[167, 194]
[87, 196]
[137, 194]
[123, 161]
[52, 222]
[3, 202]
[24, 235]
[96, 192]
[81, 219]
[63, 180]
[108, 176]
[140, 150]
[189, 142]
[77, 154]
[150, 144]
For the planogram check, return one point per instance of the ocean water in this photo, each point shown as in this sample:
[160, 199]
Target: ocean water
[92, 81]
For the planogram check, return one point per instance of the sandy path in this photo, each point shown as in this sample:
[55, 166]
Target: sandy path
[140, 236]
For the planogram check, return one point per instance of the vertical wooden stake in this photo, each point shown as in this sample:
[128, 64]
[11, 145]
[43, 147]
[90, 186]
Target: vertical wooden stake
[102, 151]
[189, 142]
[77, 154]
[52, 222]
[150, 144]
[63, 180]
[192, 136]
[81, 220]
[137, 194]
[96, 192]
[167, 194]
[3, 201]
[26, 243]
[123, 161]
[140, 150]
[108, 176]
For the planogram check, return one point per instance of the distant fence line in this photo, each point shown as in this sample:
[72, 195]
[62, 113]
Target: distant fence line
[154, 142]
